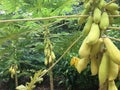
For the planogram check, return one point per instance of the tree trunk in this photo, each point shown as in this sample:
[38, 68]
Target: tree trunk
[51, 80]
[16, 79]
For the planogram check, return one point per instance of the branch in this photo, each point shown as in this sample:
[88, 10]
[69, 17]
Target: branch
[46, 18]
[62, 55]
[114, 28]
[114, 39]
[61, 25]
[49, 18]
[109, 3]
[114, 15]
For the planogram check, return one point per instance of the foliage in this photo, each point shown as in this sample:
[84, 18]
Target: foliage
[21, 43]
[69, 77]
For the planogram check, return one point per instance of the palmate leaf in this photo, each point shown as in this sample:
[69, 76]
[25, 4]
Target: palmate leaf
[24, 35]
[37, 8]
[45, 8]
[9, 36]
[10, 6]
[12, 32]
[65, 41]
[64, 6]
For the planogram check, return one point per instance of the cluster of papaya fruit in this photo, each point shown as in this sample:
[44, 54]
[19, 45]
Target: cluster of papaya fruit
[97, 49]
[13, 70]
[48, 50]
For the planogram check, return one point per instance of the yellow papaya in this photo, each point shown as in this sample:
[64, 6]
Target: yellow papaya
[74, 60]
[113, 71]
[96, 47]
[112, 50]
[94, 66]
[103, 69]
[84, 50]
[111, 85]
[93, 35]
[81, 64]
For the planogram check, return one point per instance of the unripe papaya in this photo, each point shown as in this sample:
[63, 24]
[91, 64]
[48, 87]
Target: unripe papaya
[81, 20]
[13, 71]
[104, 22]
[87, 6]
[97, 15]
[46, 61]
[53, 55]
[101, 4]
[114, 12]
[87, 26]
[112, 7]
[10, 69]
[50, 60]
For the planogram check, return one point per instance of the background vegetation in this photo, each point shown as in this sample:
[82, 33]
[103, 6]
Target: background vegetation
[21, 43]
